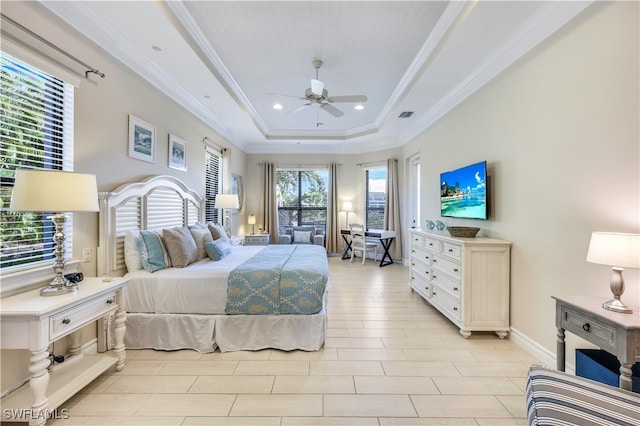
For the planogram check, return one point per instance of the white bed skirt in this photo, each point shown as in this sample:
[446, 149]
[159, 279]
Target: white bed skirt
[204, 333]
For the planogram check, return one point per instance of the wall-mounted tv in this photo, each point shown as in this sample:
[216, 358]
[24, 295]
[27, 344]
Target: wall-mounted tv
[463, 192]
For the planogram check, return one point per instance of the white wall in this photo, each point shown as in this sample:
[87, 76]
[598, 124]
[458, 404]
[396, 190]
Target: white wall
[559, 131]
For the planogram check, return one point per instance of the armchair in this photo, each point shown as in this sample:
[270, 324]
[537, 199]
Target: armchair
[302, 235]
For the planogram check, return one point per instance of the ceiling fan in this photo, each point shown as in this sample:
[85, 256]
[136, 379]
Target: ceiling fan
[318, 95]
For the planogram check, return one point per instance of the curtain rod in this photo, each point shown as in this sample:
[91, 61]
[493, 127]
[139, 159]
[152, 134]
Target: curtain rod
[53, 46]
[300, 165]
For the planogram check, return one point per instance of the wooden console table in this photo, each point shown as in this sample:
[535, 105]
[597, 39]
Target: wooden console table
[614, 332]
[30, 321]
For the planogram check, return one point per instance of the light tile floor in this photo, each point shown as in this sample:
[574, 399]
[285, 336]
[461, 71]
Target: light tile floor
[389, 359]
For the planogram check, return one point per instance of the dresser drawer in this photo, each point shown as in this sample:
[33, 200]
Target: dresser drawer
[452, 250]
[421, 254]
[432, 244]
[73, 318]
[448, 284]
[446, 302]
[417, 240]
[601, 334]
[421, 285]
[256, 240]
[450, 267]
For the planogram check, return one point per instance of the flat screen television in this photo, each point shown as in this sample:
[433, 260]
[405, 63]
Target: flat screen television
[463, 192]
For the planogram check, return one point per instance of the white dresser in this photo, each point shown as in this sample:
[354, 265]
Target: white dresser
[467, 279]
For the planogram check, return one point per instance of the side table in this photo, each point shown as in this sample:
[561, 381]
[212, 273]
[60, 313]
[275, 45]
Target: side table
[614, 332]
[30, 321]
[256, 240]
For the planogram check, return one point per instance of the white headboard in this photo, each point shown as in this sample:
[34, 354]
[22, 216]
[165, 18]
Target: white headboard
[155, 202]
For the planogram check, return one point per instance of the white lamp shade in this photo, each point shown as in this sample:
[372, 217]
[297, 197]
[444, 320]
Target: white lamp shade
[54, 191]
[614, 249]
[227, 201]
[347, 206]
[251, 219]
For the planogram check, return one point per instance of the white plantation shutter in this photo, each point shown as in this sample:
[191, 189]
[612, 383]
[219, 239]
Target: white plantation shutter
[212, 175]
[36, 132]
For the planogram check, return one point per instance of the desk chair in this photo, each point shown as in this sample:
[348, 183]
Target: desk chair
[359, 243]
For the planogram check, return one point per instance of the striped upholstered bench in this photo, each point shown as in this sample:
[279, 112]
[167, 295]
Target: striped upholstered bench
[558, 398]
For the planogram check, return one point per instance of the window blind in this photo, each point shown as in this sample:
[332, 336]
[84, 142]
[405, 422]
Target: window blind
[212, 184]
[36, 132]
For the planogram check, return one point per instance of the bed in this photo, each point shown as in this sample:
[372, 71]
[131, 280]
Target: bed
[240, 302]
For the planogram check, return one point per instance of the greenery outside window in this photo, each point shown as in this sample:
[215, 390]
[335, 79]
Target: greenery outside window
[375, 197]
[36, 132]
[302, 198]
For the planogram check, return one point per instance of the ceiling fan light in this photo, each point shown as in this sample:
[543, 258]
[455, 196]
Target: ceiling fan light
[359, 107]
[317, 87]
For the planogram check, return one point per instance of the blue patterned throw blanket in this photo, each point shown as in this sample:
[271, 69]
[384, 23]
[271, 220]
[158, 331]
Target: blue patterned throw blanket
[281, 279]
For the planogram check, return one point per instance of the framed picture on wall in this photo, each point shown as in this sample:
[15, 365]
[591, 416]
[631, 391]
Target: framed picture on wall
[237, 187]
[142, 140]
[177, 153]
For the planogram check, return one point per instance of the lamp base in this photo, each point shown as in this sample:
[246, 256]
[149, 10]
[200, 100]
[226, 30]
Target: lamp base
[59, 285]
[616, 305]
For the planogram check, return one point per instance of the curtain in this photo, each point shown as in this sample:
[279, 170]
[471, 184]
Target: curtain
[269, 219]
[392, 208]
[333, 221]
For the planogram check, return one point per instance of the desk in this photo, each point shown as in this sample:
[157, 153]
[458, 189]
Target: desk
[614, 332]
[385, 237]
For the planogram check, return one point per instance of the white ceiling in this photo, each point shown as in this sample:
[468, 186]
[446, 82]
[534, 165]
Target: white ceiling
[226, 61]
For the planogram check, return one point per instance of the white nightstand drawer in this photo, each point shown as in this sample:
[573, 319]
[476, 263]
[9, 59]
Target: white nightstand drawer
[590, 328]
[71, 319]
[256, 240]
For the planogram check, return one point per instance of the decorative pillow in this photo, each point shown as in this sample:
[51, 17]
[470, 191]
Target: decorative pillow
[131, 250]
[217, 231]
[153, 254]
[180, 245]
[200, 236]
[302, 237]
[217, 249]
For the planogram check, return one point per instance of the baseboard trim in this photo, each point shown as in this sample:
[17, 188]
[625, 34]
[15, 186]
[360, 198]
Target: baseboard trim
[547, 357]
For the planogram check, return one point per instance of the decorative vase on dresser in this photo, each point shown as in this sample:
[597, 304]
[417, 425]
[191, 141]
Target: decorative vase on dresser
[466, 279]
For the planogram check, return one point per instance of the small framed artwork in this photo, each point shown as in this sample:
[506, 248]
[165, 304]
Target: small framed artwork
[177, 153]
[237, 187]
[142, 140]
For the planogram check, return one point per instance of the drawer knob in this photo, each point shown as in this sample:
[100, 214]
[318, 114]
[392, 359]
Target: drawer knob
[455, 308]
[450, 251]
[586, 327]
[426, 257]
[434, 293]
[66, 321]
[435, 260]
[430, 244]
[455, 269]
[110, 301]
[455, 289]
[433, 276]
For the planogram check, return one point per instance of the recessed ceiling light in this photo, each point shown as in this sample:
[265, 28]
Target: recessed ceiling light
[277, 106]
[156, 48]
[359, 107]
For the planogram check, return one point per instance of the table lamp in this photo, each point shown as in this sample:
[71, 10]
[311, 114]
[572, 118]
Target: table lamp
[618, 251]
[226, 202]
[251, 220]
[58, 192]
[347, 207]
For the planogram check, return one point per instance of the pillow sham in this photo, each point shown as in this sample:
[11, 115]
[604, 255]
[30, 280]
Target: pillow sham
[180, 245]
[217, 249]
[217, 231]
[153, 254]
[302, 237]
[131, 250]
[200, 236]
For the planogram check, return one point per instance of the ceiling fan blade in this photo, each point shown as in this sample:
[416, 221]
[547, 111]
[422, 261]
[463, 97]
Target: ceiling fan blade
[332, 110]
[317, 87]
[348, 98]
[287, 96]
[298, 108]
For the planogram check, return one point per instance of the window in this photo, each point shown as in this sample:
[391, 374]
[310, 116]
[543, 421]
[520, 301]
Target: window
[302, 198]
[212, 184]
[375, 197]
[36, 130]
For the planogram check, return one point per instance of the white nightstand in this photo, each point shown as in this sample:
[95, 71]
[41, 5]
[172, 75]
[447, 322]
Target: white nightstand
[30, 321]
[256, 240]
